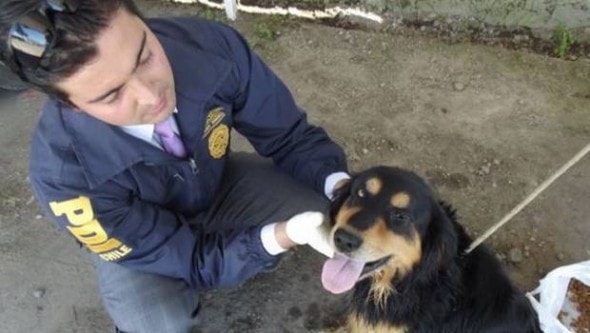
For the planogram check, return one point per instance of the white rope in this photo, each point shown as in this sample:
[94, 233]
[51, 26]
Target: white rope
[233, 6]
[529, 198]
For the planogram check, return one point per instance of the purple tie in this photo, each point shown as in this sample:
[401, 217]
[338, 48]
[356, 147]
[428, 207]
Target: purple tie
[170, 140]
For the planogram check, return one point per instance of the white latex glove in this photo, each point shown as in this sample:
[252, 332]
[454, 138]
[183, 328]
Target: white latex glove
[308, 228]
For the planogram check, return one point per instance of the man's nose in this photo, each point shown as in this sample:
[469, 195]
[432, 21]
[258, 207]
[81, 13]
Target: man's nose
[144, 93]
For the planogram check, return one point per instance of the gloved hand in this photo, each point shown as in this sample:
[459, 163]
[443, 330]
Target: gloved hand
[308, 228]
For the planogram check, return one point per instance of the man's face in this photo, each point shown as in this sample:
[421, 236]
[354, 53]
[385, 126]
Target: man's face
[130, 81]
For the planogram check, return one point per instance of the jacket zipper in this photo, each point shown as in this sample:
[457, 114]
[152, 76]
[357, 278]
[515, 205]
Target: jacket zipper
[193, 165]
[191, 161]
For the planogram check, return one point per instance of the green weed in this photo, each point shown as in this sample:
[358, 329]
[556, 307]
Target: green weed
[214, 15]
[563, 39]
[264, 31]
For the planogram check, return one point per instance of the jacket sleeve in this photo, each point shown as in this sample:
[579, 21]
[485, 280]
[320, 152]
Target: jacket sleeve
[118, 227]
[266, 114]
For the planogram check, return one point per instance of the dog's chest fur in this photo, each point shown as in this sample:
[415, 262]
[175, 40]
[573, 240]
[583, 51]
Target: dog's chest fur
[355, 324]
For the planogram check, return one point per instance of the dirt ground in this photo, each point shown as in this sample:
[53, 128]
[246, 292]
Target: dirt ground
[484, 125]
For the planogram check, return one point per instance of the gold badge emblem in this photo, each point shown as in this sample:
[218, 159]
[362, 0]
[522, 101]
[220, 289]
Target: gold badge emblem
[214, 118]
[218, 141]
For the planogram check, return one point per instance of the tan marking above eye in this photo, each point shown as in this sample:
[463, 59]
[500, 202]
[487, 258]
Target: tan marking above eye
[400, 200]
[374, 185]
[345, 213]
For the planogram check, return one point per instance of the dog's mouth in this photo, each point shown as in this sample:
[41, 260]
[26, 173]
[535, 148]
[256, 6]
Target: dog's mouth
[372, 266]
[341, 273]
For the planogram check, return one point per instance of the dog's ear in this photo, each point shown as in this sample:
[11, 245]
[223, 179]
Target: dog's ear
[441, 241]
[340, 196]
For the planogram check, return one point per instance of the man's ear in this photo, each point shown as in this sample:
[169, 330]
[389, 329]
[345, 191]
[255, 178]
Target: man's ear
[61, 96]
[70, 105]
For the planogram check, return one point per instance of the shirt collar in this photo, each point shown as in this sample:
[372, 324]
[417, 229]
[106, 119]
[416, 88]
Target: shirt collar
[146, 131]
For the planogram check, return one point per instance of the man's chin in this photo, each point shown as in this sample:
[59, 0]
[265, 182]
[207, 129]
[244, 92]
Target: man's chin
[159, 117]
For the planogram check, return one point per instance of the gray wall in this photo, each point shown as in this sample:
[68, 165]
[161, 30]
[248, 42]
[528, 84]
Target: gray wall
[540, 15]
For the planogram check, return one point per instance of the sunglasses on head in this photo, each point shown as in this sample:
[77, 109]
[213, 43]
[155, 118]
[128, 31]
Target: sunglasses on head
[32, 35]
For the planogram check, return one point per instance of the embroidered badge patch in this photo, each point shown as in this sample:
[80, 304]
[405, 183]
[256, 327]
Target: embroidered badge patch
[214, 118]
[218, 141]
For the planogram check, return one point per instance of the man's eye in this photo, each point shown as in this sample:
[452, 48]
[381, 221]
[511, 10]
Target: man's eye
[112, 98]
[146, 60]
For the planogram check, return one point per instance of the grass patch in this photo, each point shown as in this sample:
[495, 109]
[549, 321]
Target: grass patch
[265, 31]
[213, 14]
[563, 39]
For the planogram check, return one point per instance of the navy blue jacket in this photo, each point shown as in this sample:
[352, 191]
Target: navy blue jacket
[123, 198]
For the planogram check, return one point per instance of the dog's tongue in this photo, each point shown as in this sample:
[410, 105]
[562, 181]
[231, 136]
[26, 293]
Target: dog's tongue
[340, 273]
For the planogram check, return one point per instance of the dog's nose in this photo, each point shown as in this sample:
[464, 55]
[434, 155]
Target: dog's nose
[345, 241]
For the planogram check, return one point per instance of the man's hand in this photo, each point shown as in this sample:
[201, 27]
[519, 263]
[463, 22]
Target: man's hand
[308, 228]
[304, 228]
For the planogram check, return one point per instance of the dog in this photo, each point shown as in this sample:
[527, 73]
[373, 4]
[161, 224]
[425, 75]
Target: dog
[402, 252]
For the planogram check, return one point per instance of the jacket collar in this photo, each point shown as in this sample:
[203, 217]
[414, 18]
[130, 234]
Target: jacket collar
[105, 150]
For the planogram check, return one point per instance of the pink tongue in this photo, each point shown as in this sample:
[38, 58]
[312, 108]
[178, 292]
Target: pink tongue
[340, 274]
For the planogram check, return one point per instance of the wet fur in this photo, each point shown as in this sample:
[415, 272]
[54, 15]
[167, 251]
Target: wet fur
[445, 291]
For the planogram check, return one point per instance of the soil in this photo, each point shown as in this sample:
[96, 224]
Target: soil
[485, 125]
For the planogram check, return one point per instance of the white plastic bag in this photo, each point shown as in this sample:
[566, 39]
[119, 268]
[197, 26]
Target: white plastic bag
[552, 292]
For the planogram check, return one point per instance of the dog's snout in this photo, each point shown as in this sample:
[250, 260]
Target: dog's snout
[345, 241]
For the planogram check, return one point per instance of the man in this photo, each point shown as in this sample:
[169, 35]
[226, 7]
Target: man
[131, 153]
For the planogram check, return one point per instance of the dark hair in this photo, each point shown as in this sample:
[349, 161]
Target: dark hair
[75, 38]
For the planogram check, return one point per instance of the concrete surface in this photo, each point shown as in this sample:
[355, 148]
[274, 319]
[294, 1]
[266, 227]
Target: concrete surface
[484, 125]
[529, 13]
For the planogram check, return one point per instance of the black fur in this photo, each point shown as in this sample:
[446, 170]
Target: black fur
[446, 291]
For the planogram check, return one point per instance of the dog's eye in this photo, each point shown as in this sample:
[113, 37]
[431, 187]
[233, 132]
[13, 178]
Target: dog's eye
[400, 217]
[361, 193]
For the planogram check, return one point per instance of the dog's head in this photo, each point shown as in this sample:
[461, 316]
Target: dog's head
[384, 223]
